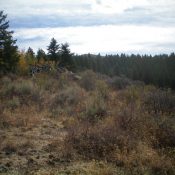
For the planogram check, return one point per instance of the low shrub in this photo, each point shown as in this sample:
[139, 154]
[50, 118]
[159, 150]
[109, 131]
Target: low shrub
[88, 80]
[95, 108]
[102, 89]
[12, 146]
[159, 101]
[13, 103]
[46, 83]
[5, 81]
[165, 133]
[68, 96]
[24, 90]
[63, 81]
[9, 147]
[4, 123]
[120, 82]
[126, 148]
[65, 100]
[100, 141]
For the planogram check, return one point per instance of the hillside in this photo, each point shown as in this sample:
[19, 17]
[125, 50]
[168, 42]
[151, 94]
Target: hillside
[53, 123]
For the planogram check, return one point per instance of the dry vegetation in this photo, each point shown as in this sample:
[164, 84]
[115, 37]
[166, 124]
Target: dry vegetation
[53, 124]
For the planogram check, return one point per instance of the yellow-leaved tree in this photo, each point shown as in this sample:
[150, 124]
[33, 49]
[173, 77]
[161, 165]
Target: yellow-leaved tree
[23, 66]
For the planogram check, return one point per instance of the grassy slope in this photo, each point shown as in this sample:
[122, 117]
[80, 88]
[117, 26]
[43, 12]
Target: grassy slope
[53, 124]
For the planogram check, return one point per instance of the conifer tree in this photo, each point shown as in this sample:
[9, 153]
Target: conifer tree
[66, 56]
[30, 56]
[41, 55]
[30, 52]
[9, 57]
[53, 51]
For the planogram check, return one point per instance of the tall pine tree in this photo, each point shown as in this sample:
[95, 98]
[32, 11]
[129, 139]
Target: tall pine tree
[53, 51]
[66, 56]
[9, 57]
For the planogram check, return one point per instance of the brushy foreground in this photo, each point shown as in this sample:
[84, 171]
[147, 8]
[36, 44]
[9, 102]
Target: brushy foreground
[94, 125]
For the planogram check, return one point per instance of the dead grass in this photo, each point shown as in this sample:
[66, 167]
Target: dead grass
[55, 125]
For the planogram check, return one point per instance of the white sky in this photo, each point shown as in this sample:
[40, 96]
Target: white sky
[96, 26]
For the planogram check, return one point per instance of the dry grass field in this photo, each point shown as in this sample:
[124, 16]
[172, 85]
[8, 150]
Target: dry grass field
[52, 124]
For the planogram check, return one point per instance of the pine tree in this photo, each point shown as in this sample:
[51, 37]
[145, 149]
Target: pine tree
[41, 55]
[9, 57]
[30, 56]
[30, 52]
[53, 51]
[66, 56]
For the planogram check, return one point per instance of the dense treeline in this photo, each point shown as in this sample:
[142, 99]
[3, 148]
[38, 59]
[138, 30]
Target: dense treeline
[158, 70]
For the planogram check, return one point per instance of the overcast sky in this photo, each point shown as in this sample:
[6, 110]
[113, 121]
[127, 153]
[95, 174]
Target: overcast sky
[95, 26]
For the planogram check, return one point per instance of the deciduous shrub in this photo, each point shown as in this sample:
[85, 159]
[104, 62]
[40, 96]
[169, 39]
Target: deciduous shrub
[25, 90]
[88, 80]
[159, 101]
[13, 103]
[120, 82]
[165, 133]
[66, 99]
[68, 96]
[95, 108]
[102, 89]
